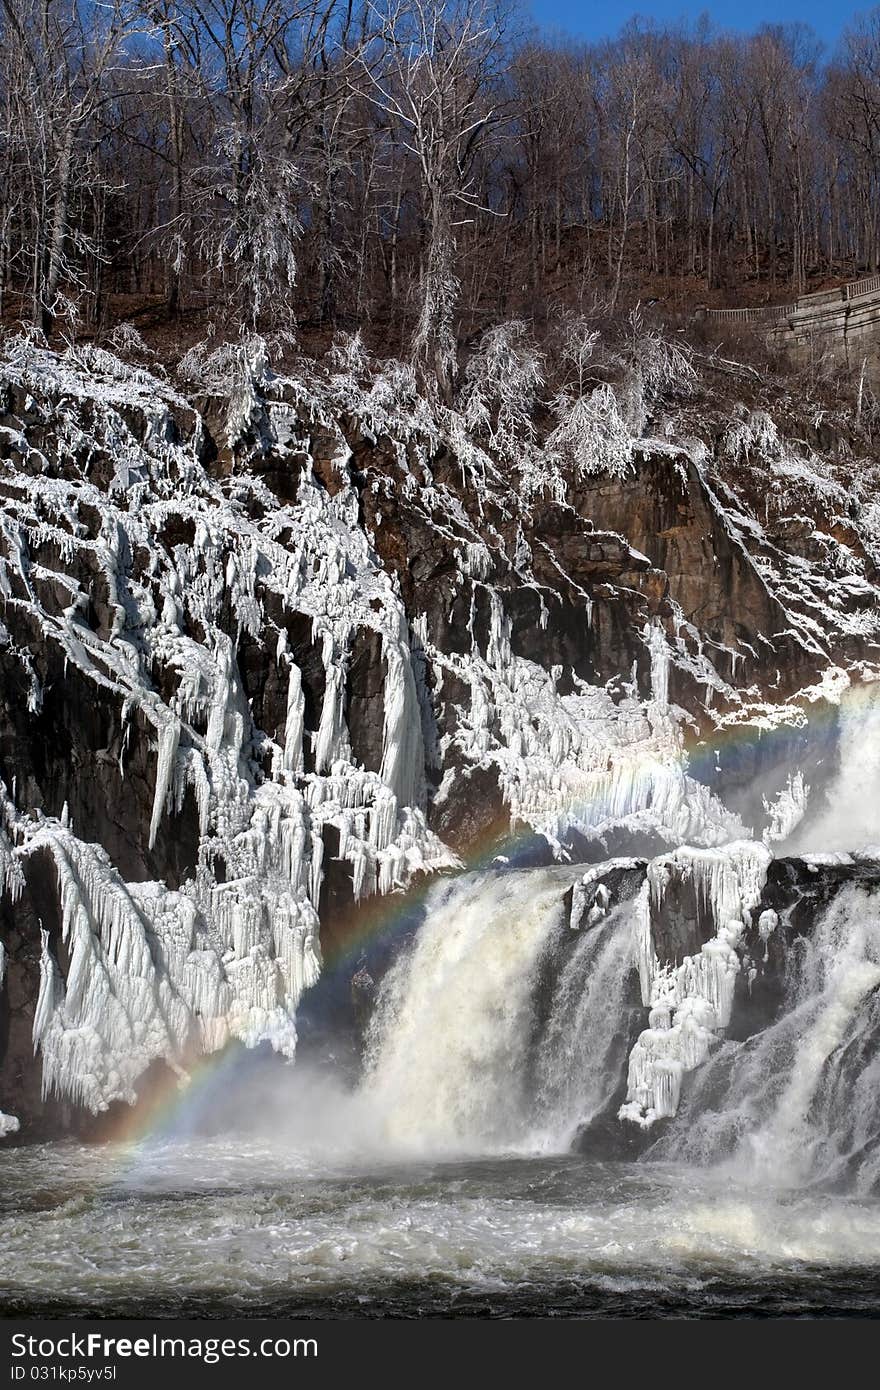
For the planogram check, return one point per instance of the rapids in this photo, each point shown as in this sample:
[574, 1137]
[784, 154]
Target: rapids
[251, 1226]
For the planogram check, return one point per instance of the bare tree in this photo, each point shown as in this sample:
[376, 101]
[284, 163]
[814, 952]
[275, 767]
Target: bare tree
[410, 167]
[432, 69]
[58, 57]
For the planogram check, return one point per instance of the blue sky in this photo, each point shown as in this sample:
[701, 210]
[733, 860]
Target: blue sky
[591, 20]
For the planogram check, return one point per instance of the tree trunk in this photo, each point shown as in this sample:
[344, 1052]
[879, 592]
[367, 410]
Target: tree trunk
[58, 233]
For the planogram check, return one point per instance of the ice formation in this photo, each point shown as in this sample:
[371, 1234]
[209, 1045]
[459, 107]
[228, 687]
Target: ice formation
[690, 1004]
[147, 570]
[583, 761]
[155, 973]
[787, 809]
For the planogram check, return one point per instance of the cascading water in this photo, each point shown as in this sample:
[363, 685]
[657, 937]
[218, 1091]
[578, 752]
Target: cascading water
[503, 1030]
[581, 1052]
[850, 817]
[476, 1046]
[800, 1101]
[444, 1182]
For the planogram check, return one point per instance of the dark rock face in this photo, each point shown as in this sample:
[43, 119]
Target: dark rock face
[667, 511]
[568, 585]
[21, 937]
[476, 817]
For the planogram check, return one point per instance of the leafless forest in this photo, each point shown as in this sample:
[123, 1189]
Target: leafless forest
[418, 169]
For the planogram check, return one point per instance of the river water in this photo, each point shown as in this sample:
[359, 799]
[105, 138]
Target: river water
[224, 1226]
[441, 1181]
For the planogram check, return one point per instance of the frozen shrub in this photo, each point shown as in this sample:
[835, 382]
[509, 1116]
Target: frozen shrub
[500, 388]
[592, 436]
[126, 341]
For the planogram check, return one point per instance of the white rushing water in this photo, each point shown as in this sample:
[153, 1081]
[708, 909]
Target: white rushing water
[256, 1225]
[456, 1062]
[582, 1051]
[800, 1101]
[501, 1030]
[442, 1183]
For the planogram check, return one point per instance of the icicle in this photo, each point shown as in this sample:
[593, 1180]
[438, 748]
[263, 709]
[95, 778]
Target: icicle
[655, 638]
[403, 752]
[293, 729]
[169, 738]
[331, 744]
[690, 1005]
[50, 989]
[153, 973]
[316, 874]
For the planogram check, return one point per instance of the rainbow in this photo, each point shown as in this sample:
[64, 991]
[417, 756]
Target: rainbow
[172, 1106]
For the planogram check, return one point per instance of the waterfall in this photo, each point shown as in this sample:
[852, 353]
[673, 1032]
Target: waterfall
[581, 1054]
[501, 1029]
[482, 1040]
[800, 1101]
[850, 817]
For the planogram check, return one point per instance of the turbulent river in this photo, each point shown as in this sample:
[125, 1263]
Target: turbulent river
[443, 1181]
[227, 1226]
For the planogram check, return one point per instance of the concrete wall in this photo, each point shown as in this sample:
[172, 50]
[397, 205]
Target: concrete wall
[849, 328]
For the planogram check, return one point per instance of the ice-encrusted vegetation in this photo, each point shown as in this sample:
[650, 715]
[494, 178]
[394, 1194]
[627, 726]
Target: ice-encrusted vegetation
[690, 1004]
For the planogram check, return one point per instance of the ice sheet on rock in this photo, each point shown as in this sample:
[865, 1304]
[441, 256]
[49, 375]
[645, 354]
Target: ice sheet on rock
[581, 762]
[185, 564]
[787, 809]
[690, 1004]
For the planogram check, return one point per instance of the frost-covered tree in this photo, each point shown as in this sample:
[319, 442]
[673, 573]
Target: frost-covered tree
[249, 226]
[243, 199]
[578, 340]
[501, 383]
[409, 166]
[592, 436]
[654, 363]
[57, 62]
[433, 69]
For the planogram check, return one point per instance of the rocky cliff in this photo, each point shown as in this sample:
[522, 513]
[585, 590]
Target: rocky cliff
[275, 645]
